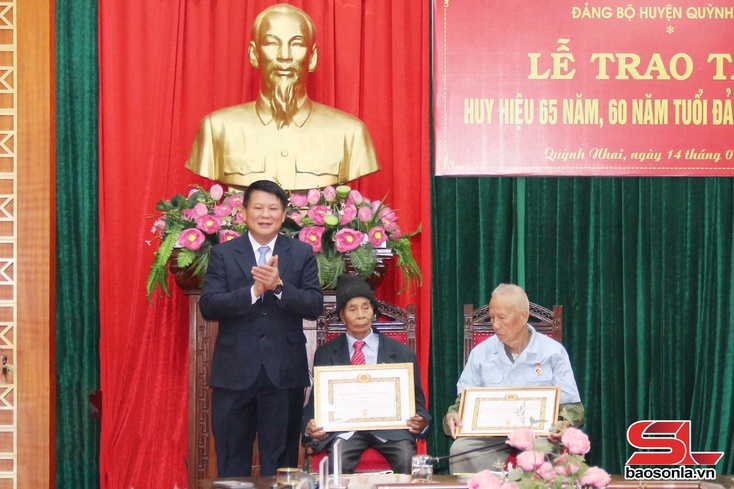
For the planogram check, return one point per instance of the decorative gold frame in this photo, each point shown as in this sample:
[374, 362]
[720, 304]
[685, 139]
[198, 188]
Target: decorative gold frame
[492, 411]
[357, 397]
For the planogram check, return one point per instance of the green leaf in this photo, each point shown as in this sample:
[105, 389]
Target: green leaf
[178, 201]
[330, 267]
[200, 264]
[158, 274]
[364, 260]
[193, 199]
[185, 258]
[515, 475]
[544, 446]
[405, 262]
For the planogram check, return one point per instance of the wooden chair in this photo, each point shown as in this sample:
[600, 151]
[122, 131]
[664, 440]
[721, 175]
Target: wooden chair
[391, 321]
[477, 327]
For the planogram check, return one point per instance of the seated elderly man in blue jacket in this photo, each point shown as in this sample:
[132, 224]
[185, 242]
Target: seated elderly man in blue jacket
[356, 306]
[516, 356]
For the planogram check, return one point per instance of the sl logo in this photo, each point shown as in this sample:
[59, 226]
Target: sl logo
[673, 441]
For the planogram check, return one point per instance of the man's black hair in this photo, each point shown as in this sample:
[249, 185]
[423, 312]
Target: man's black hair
[269, 187]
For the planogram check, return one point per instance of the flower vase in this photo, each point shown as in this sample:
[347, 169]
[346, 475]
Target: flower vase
[378, 274]
[191, 284]
[184, 276]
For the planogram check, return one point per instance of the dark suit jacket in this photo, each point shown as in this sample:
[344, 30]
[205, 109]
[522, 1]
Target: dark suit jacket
[269, 332]
[336, 352]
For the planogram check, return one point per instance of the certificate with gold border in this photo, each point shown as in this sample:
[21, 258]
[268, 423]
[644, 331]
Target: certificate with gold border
[364, 397]
[493, 411]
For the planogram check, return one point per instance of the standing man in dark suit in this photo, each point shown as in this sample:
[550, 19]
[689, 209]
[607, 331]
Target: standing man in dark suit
[259, 287]
[356, 306]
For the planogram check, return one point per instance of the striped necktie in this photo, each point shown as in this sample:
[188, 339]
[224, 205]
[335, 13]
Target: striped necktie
[358, 357]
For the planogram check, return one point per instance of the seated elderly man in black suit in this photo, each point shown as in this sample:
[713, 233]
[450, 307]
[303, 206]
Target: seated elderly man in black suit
[356, 306]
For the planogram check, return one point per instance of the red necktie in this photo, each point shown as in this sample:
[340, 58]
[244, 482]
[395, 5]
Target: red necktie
[358, 357]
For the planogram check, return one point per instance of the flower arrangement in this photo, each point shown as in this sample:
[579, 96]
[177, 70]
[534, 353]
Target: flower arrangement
[338, 222]
[193, 224]
[538, 467]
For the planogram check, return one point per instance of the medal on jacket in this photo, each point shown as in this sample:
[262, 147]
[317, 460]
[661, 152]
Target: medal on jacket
[538, 370]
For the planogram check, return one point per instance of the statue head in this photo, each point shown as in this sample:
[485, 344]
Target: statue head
[283, 48]
[238, 147]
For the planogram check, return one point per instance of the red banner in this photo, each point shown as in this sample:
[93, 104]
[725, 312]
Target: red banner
[583, 88]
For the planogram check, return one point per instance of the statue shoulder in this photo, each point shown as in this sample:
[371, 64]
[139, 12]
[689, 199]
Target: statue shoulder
[233, 112]
[326, 112]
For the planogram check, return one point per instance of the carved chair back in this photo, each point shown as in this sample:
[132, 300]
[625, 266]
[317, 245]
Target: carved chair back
[478, 328]
[391, 321]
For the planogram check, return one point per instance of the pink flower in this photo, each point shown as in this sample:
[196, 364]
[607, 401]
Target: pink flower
[565, 467]
[596, 477]
[216, 191]
[355, 197]
[192, 192]
[312, 235]
[189, 214]
[329, 194]
[299, 200]
[348, 240]
[484, 480]
[376, 206]
[389, 224]
[235, 201]
[521, 439]
[314, 196]
[349, 211]
[208, 223]
[227, 235]
[200, 209]
[530, 460]
[546, 471]
[317, 213]
[159, 226]
[191, 238]
[364, 214]
[222, 210]
[575, 441]
[377, 236]
[296, 216]
[387, 213]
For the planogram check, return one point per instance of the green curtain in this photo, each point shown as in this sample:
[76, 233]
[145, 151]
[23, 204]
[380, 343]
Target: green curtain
[77, 283]
[473, 247]
[643, 269]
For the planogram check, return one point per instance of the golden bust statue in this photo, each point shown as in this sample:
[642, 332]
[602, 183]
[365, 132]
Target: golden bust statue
[283, 135]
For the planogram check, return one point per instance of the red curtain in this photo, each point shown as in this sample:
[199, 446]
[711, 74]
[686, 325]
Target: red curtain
[163, 66]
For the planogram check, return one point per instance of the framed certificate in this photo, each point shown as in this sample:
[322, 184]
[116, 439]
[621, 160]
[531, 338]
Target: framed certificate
[492, 411]
[364, 397]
